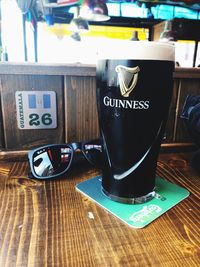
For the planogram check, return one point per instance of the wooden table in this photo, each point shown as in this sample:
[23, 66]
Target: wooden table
[49, 223]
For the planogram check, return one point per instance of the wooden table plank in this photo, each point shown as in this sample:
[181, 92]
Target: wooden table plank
[49, 223]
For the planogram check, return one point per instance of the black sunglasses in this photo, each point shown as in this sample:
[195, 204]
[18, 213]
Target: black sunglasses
[52, 161]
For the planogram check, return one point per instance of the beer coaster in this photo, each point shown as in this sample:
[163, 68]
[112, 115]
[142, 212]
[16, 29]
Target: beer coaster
[136, 215]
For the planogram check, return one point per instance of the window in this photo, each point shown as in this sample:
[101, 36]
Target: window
[181, 12]
[30, 42]
[184, 51]
[113, 9]
[163, 12]
[133, 10]
[198, 56]
[12, 30]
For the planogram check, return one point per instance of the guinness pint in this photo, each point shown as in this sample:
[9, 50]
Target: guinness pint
[134, 89]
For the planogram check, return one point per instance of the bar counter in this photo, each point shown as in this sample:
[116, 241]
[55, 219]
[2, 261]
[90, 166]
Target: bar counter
[49, 223]
[74, 86]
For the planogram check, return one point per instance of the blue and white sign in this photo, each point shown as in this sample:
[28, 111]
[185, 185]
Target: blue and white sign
[36, 109]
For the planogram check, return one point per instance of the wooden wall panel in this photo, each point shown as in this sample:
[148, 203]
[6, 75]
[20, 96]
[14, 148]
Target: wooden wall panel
[186, 86]
[75, 88]
[16, 138]
[80, 110]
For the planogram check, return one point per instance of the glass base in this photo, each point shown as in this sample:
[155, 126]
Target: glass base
[136, 200]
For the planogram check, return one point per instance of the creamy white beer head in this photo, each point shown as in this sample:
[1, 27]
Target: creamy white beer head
[136, 50]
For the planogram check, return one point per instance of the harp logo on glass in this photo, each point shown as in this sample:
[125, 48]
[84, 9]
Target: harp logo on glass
[127, 79]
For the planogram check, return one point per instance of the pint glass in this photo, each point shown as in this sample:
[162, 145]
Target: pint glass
[134, 87]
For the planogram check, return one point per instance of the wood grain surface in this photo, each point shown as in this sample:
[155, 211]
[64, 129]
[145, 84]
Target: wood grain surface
[81, 119]
[49, 223]
[77, 69]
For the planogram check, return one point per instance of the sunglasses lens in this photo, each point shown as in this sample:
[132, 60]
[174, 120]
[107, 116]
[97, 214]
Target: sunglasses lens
[52, 160]
[93, 152]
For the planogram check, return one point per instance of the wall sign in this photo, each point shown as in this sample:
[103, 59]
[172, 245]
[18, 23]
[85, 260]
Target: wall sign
[36, 109]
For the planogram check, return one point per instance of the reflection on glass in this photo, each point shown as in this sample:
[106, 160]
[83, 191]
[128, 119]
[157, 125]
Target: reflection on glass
[92, 152]
[42, 165]
[52, 161]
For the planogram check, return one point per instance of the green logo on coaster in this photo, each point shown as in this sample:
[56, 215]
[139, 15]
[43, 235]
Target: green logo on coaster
[145, 214]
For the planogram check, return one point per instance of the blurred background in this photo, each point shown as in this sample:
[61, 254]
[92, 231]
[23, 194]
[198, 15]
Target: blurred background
[70, 31]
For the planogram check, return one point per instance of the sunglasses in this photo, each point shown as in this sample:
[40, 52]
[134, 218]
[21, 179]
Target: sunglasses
[53, 161]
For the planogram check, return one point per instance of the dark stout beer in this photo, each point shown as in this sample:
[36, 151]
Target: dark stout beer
[133, 99]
